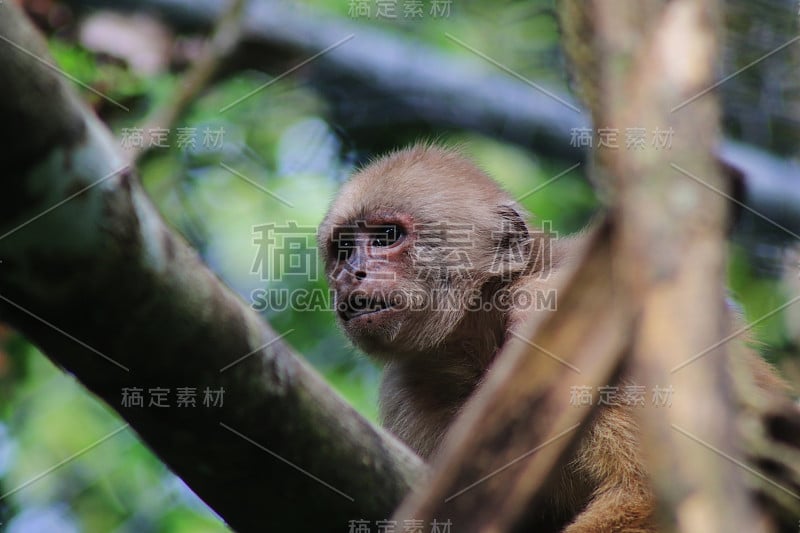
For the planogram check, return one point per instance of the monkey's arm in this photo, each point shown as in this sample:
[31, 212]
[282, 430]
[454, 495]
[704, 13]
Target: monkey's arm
[609, 460]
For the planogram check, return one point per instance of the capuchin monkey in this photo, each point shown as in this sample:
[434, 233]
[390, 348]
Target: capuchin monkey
[431, 263]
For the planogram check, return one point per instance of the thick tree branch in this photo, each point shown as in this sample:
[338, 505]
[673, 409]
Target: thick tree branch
[651, 67]
[91, 274]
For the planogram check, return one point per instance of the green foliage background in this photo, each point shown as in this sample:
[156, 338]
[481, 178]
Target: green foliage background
[281, 140]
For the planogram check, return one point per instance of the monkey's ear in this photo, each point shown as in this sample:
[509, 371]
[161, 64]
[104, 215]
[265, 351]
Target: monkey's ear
[513, 241]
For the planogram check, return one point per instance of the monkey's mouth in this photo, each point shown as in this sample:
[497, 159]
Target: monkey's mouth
[349, 310]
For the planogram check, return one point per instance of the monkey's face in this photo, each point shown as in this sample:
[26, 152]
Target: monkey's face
[409, 244]
[385, 280]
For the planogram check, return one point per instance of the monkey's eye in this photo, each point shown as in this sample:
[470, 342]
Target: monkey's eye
[387, 235]
[344, 246]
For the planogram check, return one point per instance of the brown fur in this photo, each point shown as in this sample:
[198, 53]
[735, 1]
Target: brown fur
[434, 360]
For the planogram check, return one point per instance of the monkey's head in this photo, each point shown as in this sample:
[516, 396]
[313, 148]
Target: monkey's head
[411, 242]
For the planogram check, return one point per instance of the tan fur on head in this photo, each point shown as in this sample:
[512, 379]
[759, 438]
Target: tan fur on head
[453, 211]
[436, 184]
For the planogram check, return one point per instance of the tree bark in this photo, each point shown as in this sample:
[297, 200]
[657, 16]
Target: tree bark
[650, 66]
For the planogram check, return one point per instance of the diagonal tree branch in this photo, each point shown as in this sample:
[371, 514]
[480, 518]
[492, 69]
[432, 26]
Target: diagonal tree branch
[91, 274]
[670, 244]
